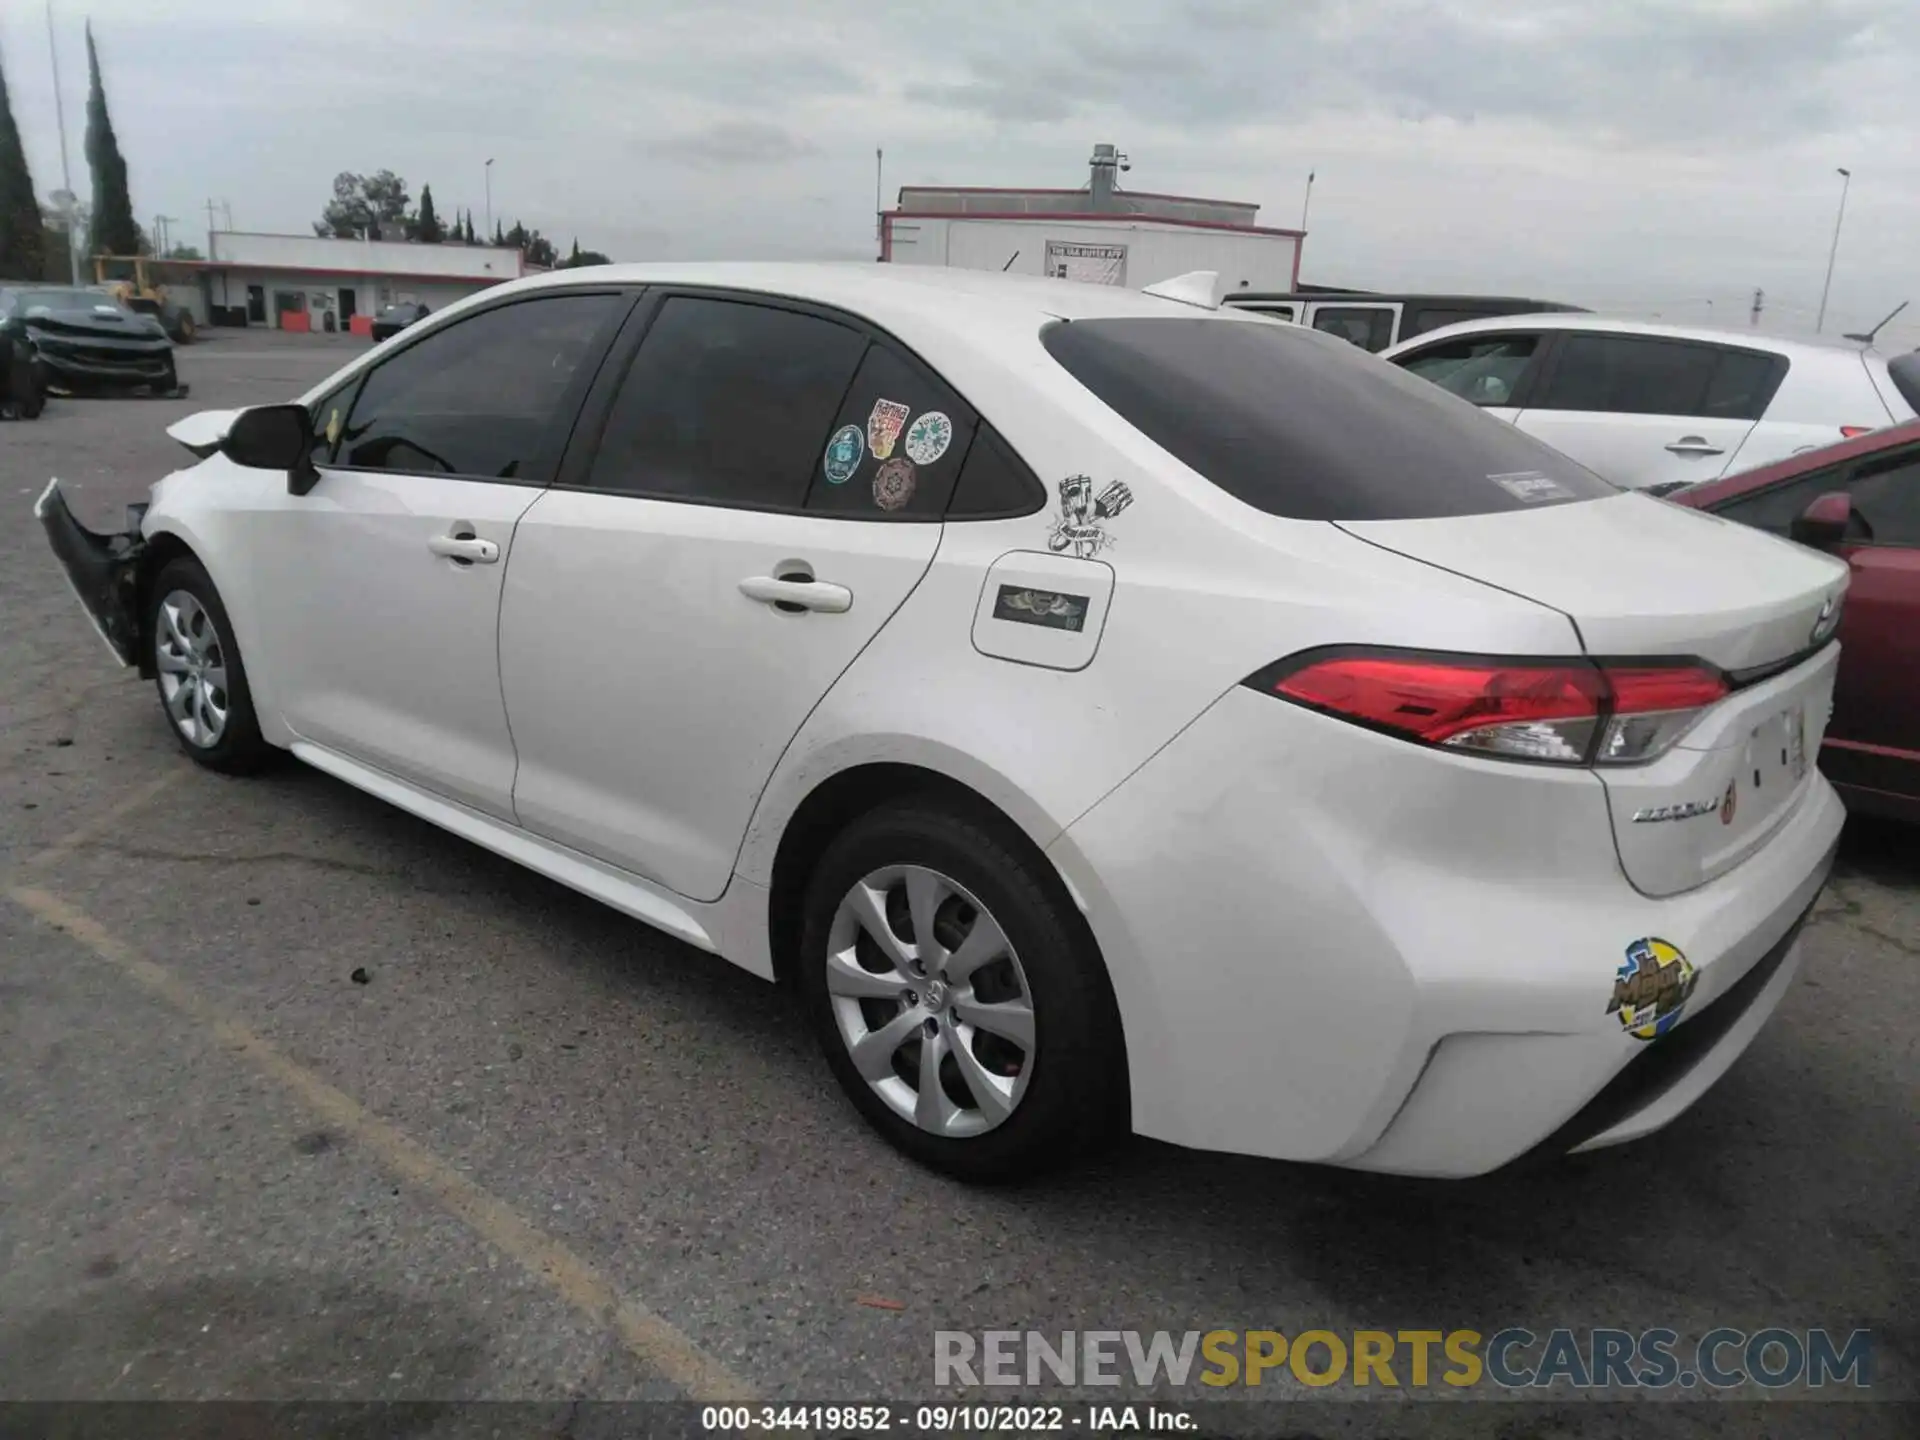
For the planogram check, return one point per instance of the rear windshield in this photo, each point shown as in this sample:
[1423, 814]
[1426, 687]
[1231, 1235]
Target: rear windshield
[1905, 371]
[1308, 427]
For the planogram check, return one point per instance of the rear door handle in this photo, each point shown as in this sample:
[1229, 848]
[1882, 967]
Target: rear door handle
[1694, 445]
[467, 549]
[798, 594]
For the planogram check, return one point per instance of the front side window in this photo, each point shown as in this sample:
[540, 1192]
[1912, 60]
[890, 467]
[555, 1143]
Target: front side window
[1885, 490]
[727, 402]
[491, 396]
[1628, 375]
[896, 446]
[1302, 426]
[1485, 369]
[1368, 326]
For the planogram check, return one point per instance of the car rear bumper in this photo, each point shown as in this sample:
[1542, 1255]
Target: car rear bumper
[1332, 945]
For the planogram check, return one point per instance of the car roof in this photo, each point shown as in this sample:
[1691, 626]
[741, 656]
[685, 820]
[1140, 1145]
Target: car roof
[1397, 297]
[912, 294]
[1892, 437]
[1795, 348]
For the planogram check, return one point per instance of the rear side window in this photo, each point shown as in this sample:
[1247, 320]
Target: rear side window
[1302, 426]
[995, 483]
[726, 403]
[490, 397]
[1639, 375]
[1368, 326]
[1485, 369]
[896, 446]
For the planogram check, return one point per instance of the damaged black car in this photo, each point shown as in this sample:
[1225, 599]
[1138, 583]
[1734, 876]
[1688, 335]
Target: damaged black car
[84, 342]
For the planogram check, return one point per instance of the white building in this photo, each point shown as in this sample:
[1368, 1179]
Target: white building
[270, 279]
[1099, 233]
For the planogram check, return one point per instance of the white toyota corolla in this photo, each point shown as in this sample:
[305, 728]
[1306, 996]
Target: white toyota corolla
[1104, 709]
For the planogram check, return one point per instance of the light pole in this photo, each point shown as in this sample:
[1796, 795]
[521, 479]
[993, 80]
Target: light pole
[1307, 201]
[489, 171]
[1846, 180]
[66, 176]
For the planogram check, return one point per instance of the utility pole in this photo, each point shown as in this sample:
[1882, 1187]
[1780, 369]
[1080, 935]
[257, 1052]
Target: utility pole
[1759, 299]
[66, 175]
[210, 229]
[1308, 201]
[489, 173]
[1846, 181]
[879, 189]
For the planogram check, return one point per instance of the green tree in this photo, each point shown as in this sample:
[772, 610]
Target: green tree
[23, 248]
[581, 257]
[427, 228]
[499, 235]
[114, 230]
[373, 205]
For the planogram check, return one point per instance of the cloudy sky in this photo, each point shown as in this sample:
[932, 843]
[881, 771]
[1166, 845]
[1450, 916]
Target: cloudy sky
[1645, 155]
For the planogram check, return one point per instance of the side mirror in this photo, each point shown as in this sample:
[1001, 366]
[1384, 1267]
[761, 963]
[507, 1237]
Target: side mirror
[1823, 524]
[274, 437]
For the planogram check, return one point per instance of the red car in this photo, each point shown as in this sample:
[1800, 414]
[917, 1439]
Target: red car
[1860, 501]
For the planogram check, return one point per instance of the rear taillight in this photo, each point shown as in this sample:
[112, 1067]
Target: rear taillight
[1569, 712]
[1847, 432]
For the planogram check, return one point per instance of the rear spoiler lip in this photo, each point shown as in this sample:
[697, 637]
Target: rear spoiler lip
[202, 432]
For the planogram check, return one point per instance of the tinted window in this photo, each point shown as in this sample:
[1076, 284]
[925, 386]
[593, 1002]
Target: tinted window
[1300, 425]
[1484, 369]
[1743, 384]
[492, 396]
[995, 482]
[1885, 490]
[1777, 507]
[896, 446]
[727, 402]
[1369, 327]
[330, 420]
[1627, 375]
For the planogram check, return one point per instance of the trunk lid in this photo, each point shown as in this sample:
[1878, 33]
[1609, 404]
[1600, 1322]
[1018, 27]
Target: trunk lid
[1642, 578]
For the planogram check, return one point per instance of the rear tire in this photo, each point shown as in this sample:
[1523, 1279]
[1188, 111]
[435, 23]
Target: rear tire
[198, 672]
[1028, 1063]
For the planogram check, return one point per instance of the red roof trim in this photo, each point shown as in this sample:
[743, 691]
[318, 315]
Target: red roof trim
[1074, 218]
[243, 266]
[1034, 190]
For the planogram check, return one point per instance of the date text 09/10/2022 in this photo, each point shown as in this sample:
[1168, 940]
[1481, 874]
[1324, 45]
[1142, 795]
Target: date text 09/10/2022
[960, 1419]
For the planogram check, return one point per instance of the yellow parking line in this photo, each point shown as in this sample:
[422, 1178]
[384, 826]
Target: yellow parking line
[655, 1342]
[93, 829]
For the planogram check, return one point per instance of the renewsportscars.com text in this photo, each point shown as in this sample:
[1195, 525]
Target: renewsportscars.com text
[1513, 1358]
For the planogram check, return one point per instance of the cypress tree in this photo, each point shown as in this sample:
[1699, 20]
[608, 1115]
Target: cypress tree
[427, 229]
[114, 230]
[22, 237]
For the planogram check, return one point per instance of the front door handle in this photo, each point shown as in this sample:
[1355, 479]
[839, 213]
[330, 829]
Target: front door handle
[1694, 445]
[465, 549]
[798, 594]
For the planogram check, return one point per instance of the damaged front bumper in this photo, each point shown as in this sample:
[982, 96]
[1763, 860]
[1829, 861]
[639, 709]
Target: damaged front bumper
[102, 570]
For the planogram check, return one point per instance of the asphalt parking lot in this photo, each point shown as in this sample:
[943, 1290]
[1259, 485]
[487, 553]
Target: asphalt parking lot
[543, 1153]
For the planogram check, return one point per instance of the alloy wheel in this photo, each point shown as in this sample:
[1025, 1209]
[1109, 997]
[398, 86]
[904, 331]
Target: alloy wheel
[193, 670]
[930, 1001]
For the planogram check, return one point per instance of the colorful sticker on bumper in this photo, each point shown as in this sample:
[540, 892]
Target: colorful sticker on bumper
[1052, 608]
[1077, 527]
[894, 483]
[1651, 988]
[928, 438]
[844, 453]
[883, 426]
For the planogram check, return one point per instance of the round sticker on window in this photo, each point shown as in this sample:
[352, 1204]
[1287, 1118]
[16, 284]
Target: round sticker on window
[928, 438]
[893, 484]
[844, 452]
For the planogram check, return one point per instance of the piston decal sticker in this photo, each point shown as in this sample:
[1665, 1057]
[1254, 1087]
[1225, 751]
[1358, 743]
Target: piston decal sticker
[1651, 988]
[883, 426]
[893, 484]
[1077, 527]
[1052, 608]
[844, 452]
[928, 438]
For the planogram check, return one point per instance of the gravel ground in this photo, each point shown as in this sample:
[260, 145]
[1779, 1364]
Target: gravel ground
[544, 1154]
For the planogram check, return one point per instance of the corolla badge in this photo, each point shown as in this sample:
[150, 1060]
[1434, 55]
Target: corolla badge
[1828, 622]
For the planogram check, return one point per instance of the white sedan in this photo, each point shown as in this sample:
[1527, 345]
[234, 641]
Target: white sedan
[1657, 407]
[1105, 710]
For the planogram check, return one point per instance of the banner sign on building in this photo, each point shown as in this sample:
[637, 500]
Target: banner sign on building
[1096, 264]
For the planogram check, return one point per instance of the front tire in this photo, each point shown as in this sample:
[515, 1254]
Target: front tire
[958, 996]
[198, 672]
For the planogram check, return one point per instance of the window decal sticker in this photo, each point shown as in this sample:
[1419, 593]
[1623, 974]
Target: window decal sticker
[1077, 527]
[894, 484]
[883, 426]
[845, 451]
[1054, 609]
[1531, 486]
[928, 438]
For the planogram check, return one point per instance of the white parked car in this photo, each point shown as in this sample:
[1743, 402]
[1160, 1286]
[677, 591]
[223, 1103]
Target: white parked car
[1655, 407]
[1103, 709]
